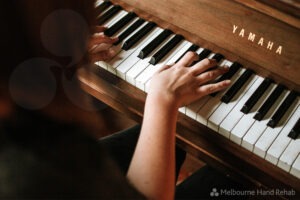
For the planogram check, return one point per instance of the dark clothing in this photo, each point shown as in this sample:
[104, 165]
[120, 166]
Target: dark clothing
[199, 185]
[41, 158]
[121, 146]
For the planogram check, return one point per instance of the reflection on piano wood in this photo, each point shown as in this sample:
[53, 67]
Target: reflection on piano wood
[251, 130]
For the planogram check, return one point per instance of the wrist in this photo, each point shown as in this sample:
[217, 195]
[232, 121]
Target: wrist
[164, 100]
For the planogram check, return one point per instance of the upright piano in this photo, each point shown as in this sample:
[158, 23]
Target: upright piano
[250, 131]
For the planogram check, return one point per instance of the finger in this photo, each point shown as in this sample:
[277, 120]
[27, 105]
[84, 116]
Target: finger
[165, 67]
[203, 66]
[98, 39]
[188, 59]
[99, 28]
[102, 56]
[212, 88]
[100, 47]
[211, 75]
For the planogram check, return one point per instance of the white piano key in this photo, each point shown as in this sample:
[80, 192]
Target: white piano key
[143, 67]
[146, 75]
[295, 170]
[171, 58]
[122, 55]
[244, 124]
[289, 155]
[108, 23]
[179, 53]
[211, 105]
[231, 119]
[208, 105]
[104, 11]
[182, 109]
[282, 141]
[270, 134]
[259, 127]
[117, 48]
[137, 68]
[133, 60]
[115, 18]
[224, 109]
[98, 2]
[192, 109]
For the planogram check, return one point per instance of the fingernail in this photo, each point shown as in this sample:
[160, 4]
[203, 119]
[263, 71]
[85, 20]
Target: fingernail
[111, 51]
[225, 67]
[227, 82]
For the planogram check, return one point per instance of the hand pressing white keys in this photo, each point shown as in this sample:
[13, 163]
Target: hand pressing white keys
[245, 123]
[146, 75]
[282, 141]
[259, 127]
[140, 64]
[289, 155]
[213, 102]
[125, 60]
[296, 167]
[224, 109]
[171, 58]
[270, 134]
[97, 48]
[192, 109]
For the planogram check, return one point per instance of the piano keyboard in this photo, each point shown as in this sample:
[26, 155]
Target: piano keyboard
[254, 112]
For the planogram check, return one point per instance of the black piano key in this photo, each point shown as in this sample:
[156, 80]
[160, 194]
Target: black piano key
[282, 109]
[138, 35]
[236, 86]
[232, 70]
[165, 49]
[193, 48]
[203, 54]
[269, 102]
[154, 43]
[218, 57]
[119, 24]
[256, 95]
[295, 132]
[107, 15]
[129, 30]
[103, 6]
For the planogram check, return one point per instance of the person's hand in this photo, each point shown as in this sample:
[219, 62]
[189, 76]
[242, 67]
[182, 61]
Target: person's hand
[181, 84]
[99, 46]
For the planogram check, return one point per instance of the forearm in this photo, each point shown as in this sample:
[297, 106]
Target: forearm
[152, 170]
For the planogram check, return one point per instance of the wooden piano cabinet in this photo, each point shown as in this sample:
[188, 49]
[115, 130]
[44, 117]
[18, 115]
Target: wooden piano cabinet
[195, 138]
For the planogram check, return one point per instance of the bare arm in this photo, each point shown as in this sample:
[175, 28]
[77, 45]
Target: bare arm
[152, 170]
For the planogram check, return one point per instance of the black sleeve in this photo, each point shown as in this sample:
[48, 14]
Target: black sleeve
[50, 160]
